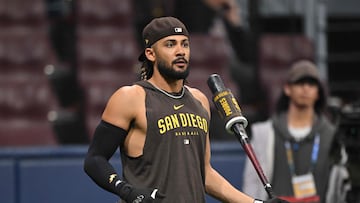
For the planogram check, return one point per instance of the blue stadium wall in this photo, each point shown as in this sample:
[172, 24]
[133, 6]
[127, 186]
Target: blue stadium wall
[55, 174]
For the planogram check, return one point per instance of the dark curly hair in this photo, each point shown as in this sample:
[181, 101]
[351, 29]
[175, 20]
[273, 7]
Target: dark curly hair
[146, 70]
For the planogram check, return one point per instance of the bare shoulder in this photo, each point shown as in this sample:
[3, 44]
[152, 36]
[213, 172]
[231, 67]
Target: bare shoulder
[124, 104]
[128, 93]
[199, 95]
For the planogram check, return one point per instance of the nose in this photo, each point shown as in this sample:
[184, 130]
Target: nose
[180, 51]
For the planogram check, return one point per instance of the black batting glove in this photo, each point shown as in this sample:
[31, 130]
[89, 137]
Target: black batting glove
[276, 200]
[272, 200]
[139, 195]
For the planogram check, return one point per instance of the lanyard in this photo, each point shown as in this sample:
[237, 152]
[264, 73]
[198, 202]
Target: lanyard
[314, 154]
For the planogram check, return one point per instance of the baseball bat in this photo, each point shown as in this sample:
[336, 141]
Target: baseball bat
[235, 123]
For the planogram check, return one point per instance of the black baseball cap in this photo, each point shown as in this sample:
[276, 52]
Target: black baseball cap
[159, 28]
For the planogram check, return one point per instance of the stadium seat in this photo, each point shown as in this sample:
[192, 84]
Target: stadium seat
[23, 47]
[276, 54]
[24, 104]
[210, 52]
[209, 55]
[22, 12]
[25, 97]
[106, 45]
[105, 12]
[18, 132]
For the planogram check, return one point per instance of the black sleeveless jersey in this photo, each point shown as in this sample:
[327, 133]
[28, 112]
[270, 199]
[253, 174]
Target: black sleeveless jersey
[174, 150]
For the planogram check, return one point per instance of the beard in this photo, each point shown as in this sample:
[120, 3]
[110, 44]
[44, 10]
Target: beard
[168, 72]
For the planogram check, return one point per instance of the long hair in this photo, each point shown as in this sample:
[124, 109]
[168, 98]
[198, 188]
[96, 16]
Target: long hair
[146, 70]
[320, 105]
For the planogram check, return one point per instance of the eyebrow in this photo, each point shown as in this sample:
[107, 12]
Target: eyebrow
[173, 40]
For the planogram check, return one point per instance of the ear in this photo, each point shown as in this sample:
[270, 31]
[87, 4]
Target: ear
[286, 89]
[150, 55]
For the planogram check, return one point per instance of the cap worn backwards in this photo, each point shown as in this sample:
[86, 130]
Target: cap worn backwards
[302, 69]
[159, 28]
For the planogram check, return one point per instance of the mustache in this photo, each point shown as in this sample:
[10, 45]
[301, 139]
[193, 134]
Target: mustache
[180, 59]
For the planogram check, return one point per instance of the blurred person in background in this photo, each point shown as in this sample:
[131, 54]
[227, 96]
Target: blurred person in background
[235, 16]
[294, 144]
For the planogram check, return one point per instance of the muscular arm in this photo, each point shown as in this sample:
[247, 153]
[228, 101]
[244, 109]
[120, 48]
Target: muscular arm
[126, 109]
[215, 184]
[123, 106]
[111, 133]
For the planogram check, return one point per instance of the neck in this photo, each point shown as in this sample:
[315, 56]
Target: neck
[174, 95]
[175, 86]
[300, 117]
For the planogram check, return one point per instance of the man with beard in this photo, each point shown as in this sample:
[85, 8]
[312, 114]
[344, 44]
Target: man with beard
[293, 146]
[162, 129]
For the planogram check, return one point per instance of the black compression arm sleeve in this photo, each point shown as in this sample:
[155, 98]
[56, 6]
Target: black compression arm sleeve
[107, 138]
